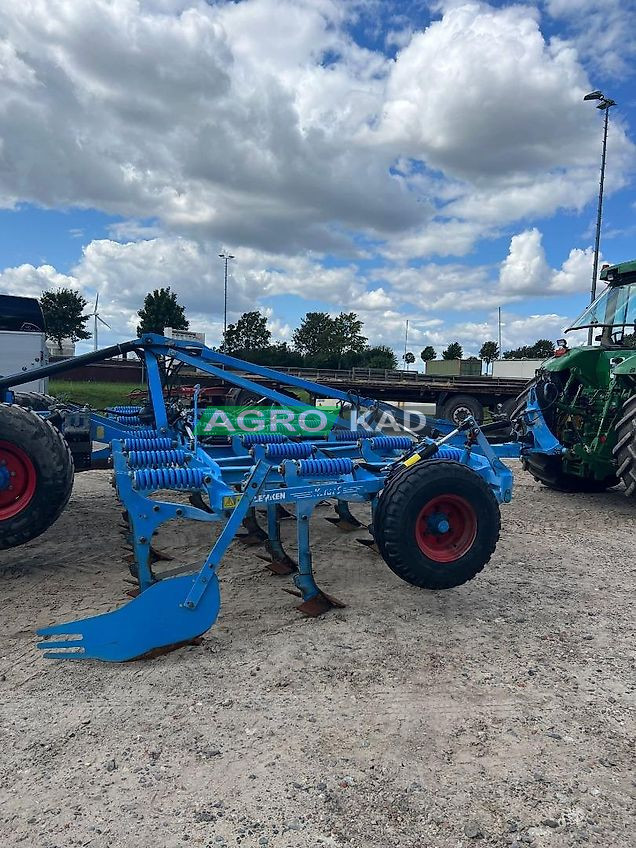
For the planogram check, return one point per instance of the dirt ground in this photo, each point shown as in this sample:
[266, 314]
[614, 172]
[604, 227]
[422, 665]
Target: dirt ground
[500, 713]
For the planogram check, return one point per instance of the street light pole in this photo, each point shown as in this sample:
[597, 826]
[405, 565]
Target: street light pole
[225, 257]
[605, 103]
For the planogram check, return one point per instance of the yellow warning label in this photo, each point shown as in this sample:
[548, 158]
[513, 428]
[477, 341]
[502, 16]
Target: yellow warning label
[99, 433]
[230, 501]
[411, 460]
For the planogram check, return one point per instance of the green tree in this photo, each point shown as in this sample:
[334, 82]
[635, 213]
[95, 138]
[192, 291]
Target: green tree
[409, 358]
[428, 353]
[348, 336]
[541, 349]
[380, 356]
[161, 310]
[63, 316]
[315, 335]
[453, 351]
[489, 351]
[250, 333]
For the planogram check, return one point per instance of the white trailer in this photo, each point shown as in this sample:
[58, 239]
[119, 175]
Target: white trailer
[22, 339]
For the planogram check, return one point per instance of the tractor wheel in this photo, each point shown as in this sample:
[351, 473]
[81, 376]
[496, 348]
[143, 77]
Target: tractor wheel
[548, 470]
[36, 475]
[437, 524]
[459, 407]
[625, 448]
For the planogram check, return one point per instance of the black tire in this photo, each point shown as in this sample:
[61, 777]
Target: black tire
[42, 464]
[625, 447]
[401, 508]
[36, 401]
[548, 470]
[456, 408]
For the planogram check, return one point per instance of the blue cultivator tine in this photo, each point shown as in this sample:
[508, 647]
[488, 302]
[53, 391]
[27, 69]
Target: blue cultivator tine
[154, 621]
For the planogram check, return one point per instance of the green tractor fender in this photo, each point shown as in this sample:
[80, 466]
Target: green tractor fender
[626, 367]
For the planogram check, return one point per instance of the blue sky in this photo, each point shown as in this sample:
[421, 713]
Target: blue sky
[401, 160]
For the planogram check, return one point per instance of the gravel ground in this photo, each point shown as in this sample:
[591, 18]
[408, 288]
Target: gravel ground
[500, 713]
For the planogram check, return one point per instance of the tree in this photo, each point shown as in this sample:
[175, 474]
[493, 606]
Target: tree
[409, 358]
[489, 351]
[161, 310]
[453, 351]
[541, 349]
[428, 353]
[63, 316]
[315, 334]
[250, 333]
[347, 335]
[380, 356]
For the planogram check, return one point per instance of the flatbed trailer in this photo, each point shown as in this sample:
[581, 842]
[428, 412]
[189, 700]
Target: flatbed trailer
[454, 397]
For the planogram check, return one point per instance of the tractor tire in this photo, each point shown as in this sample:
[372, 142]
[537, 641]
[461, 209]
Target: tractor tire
[455, 409]
[35, 400]
[458, 546]
[625, 448]
[36, 475]
[548, 470]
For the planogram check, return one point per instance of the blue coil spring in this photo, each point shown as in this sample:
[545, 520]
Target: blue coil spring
[131, 420]
[391, 443]
[143, 444]
[263, 439]
[150, 458]
[147, 433]
[289, 450]
[447, 452]
[324, 467]
[124, 410]
[350, 435]
[169, 478]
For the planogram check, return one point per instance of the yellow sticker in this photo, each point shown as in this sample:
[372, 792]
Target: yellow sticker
[99, 433]
[230, 501]
[411, 460]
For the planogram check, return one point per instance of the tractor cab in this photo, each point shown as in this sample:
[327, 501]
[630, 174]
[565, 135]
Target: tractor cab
[614, 310]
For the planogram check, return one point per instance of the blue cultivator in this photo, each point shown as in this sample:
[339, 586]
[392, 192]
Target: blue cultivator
[434, 501]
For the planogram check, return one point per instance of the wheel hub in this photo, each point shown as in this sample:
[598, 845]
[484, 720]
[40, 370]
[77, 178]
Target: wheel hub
[445, 528]
[17, 480]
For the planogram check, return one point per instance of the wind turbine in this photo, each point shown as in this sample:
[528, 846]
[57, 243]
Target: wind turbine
[97, 317]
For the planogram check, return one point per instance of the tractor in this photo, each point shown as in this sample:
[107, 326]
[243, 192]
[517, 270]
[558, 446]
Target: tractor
[576, 420]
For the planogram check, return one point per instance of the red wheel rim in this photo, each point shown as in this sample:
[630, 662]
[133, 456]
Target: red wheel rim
[445, 528]
[17, 480]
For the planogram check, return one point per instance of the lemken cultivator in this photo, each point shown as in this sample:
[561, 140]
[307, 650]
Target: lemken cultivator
[434, 496]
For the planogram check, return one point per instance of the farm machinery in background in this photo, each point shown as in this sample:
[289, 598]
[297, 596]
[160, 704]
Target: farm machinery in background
[576, 421]
[434, 496]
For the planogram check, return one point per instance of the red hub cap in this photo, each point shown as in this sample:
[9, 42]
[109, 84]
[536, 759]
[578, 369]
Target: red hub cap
[446, 528]
[17, 480]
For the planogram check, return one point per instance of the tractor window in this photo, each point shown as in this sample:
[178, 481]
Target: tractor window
[615, 307]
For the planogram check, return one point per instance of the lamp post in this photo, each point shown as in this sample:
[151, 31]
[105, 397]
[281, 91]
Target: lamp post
[605, 104]
[225, 257]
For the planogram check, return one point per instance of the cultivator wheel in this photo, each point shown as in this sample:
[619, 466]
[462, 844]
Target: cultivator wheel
[625, 448]
[36, 475]
[437, 524]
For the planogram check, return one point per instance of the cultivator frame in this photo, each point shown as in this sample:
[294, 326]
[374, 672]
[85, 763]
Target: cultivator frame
[227, 481]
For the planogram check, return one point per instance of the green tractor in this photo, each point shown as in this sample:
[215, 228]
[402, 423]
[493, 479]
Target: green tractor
[577, 420]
